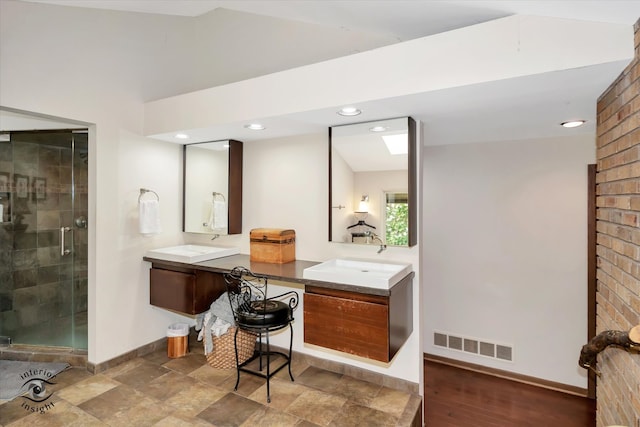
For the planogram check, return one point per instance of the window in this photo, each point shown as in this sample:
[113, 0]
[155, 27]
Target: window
[396, 213]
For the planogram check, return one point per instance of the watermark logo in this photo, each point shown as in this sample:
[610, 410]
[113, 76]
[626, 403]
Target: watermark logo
[35, 392]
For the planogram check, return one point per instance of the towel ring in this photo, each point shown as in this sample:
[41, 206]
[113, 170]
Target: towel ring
[145, 190]
[214, 194]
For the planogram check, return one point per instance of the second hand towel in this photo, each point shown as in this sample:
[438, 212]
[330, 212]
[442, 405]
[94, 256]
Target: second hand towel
[219, 215]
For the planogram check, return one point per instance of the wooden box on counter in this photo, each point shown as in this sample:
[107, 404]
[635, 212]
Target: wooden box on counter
[272, 245]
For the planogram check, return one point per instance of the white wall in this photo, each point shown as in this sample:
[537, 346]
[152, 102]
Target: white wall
[121, 314]
[504, 240]
[343, 196]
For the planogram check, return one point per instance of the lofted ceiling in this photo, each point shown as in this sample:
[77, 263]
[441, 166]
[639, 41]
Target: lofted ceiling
[520, 108]
[404, 19]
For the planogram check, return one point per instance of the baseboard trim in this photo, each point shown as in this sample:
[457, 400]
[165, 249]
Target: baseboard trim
[525, 379]
[96, 368]
[337, 367]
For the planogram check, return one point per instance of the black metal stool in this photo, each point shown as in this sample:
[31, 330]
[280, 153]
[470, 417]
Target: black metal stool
[257, 314]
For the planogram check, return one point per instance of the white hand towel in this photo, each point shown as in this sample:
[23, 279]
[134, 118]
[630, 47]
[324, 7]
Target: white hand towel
[149, 217]
[208, 208]
[1, 212]
[219, 213]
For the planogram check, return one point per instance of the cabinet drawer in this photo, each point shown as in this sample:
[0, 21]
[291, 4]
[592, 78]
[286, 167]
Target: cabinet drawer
[355, 327]
[173, 290]
[186, 291]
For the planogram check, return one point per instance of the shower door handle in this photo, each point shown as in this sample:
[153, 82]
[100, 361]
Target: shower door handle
[63, 251]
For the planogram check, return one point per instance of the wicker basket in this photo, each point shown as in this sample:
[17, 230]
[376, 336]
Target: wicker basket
[223, 355]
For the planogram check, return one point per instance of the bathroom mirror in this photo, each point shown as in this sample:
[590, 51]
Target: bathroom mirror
[372, 182]
[212, 202]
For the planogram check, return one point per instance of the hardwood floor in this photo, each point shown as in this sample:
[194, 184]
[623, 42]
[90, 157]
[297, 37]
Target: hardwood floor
[456, 397]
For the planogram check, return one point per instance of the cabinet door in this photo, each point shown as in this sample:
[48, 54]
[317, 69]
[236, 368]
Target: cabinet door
[355, 327]
[173, 290]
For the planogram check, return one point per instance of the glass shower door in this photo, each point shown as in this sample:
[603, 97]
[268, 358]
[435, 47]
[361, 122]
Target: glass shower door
[43, 287]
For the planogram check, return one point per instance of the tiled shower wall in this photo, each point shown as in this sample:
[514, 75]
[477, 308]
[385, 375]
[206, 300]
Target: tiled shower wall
[43, 295]
[618, 240]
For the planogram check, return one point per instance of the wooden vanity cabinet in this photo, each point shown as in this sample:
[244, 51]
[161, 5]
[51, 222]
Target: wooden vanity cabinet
[366, 325]
[184, 290]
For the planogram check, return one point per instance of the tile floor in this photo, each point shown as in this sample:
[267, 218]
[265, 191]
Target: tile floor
[154, 390]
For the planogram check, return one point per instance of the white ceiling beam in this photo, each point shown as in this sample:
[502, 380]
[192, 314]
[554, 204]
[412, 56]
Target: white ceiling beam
[506, 48]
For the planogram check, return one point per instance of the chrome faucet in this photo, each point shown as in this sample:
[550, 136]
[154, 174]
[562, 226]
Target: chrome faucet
[215, 236]
[375, 237]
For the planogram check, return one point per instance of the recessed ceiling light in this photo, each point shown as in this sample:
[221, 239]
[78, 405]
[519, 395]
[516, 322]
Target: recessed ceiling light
[255, 126]
[181, 136]
[573, 123]
[349, 111]
[378, 128]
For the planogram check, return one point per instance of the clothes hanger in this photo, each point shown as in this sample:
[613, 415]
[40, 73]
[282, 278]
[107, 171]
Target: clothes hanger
[360, 222]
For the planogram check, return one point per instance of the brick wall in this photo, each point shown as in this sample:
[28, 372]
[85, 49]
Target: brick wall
[618, 239]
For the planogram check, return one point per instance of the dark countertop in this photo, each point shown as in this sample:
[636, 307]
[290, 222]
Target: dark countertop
[288, 272]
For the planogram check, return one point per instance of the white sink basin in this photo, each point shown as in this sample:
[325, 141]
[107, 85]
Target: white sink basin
[359, 272]
[191, 253]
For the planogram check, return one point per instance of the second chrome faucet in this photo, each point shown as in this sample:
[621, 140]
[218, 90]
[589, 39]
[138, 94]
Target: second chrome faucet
[375, 237]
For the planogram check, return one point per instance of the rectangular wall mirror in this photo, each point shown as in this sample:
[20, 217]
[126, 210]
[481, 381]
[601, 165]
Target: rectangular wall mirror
[212, 187]
[372, 182]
